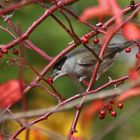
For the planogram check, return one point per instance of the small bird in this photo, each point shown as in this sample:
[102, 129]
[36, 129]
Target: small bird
[80, 62]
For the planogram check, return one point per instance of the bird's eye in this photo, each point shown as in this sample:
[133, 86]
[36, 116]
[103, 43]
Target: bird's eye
[60, 63]
[59, 67]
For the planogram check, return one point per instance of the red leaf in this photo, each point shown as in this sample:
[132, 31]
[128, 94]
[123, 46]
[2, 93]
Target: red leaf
[1, 137]
[36, 134]
[131, 31]
[10, 92]
[106, 7]
[90, 111]
[96, 11]
[135, 91]
[116, 11]
[134, 74]
[74, 137]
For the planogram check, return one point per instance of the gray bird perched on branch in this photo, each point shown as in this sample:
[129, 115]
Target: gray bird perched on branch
[80, 62]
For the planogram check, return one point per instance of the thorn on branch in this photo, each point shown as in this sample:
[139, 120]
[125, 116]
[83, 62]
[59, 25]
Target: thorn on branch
[115, 87]
[110, 79]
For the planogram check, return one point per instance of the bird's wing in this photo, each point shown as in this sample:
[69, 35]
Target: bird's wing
[86, 58]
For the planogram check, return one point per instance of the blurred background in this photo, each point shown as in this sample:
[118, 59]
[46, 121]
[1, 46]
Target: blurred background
[51, 38]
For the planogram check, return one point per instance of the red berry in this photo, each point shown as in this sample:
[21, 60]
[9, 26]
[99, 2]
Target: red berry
[5, 51]
[109, 107]
[128, 50]
[111, 101]
[103, 113]
[138, 55]
[96, 40]
[85, 40]
[50, 80]
[101, 117]
[86, 35]
[0, 54]
[113, 113]
[15, 51]
[12, 60]
[120, 105]
[138, 44]
[100, 24]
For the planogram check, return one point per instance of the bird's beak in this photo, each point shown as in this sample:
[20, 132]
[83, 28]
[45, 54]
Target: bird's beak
[56, 75]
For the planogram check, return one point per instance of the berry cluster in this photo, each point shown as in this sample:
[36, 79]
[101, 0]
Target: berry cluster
[85, 39]
[109, 107]
[5, 51]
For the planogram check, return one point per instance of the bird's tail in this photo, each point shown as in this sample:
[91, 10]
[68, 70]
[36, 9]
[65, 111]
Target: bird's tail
[127, 44]
[116, 48]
